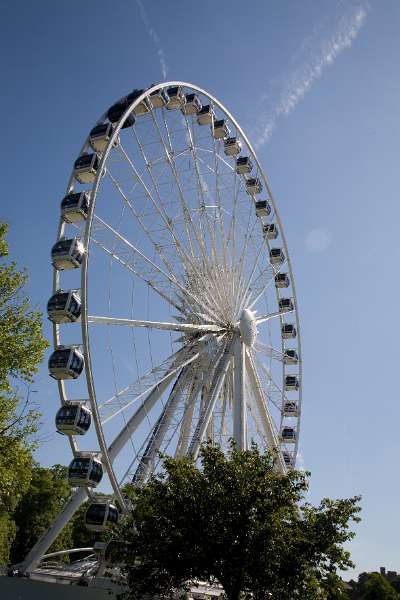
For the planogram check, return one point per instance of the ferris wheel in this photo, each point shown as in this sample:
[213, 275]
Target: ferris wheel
[174, 308]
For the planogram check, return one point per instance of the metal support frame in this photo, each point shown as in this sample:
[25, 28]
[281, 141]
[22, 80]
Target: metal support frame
[240, 405]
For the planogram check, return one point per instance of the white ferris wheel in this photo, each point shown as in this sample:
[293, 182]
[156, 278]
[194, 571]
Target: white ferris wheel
[174, 308]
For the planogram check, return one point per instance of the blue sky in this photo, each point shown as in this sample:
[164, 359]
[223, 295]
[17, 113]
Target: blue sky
[317, 86]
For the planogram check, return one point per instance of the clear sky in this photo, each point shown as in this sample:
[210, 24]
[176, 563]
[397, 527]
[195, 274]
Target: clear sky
[317, 87]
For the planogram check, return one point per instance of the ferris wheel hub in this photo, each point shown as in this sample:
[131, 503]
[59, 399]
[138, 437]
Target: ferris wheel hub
[248, 327]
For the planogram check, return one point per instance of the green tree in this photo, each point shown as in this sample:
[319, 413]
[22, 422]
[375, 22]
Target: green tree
[21, 350]
[376, 587]
[395, 583]
[238, 522]
[48, 491]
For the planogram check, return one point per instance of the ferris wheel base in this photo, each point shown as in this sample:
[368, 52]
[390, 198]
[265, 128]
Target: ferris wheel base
[45, 587]
[42, 584]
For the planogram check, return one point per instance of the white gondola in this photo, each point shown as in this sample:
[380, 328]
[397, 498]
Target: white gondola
[282, 280]
[291, 383]
[288, 435]
[253, 186]
[175, 98]
[232, 146]
[290, 357]
[116, 111]
[158, 99]
[142, 107]
[192, 105]
[100, 515]
[243, 165]
[288, 331]
[75, 207]
[220, 129]
[288, 459]
[263, 208]
[67, 253]
[66, 362]
[205, 115]
[290, 409]
[270, 231]
[86, 167]
[286, 305]
[85, 469]
[100, 135]
[64, 307]
[73, 418]
[276, 256]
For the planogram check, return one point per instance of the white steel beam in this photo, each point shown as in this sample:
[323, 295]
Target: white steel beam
[266, 419]
[239, 398]
[185, 327]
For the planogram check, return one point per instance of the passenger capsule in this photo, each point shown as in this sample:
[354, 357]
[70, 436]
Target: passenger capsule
[75, 207]
[100, 135]
[86, 167]
[100, 515]
[192, 105]
[232, 146]
[220, 130]
[243, 165]
[85, 469]
[64, 307]
[290, 357]
[263, 208]
[288, 331]
[73, 418]
[175, 98]
[290, 409]
[288, 459]
[116, 111]
[205, 115]
[282, 280]
[286, 305]
[270, 231]
[66, 363]
[288, 434]
[67, 253]
[253, 186]
[158, 98]
[142, 107]
[291, 383]
[276, 256]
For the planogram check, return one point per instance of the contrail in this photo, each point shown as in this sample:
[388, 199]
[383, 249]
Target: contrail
[322, 52]
[154, 37]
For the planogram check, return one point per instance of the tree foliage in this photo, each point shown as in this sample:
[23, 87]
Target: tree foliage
[374, 586]
[235, 521]
[21, 350]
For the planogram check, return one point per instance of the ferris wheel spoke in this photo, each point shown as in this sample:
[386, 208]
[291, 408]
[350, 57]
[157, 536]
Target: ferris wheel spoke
[142, 386]
[145, 277]
[199, 305]
[185, 327]
[188, 265]
[262, 406]
[203, 212]
[274, 393]
[268, 351]
[159, 207]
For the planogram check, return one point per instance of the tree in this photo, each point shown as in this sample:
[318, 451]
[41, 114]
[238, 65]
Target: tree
[21, 350]
[235, 521]
[374, 586]
[48, 491]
